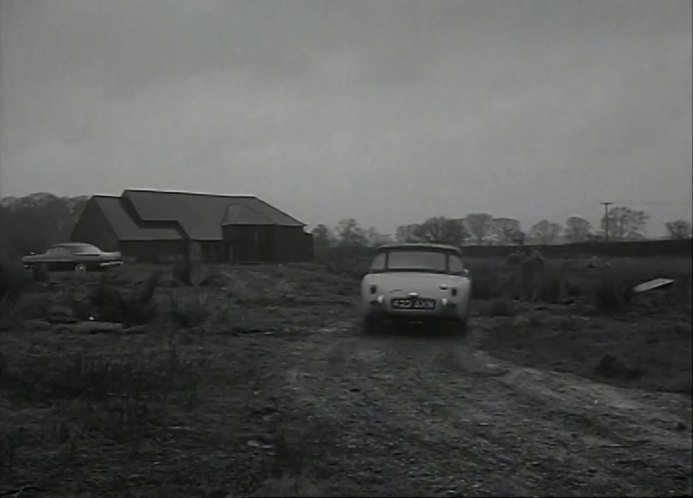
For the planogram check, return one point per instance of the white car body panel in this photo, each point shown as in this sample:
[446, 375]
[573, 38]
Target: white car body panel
[438, 286]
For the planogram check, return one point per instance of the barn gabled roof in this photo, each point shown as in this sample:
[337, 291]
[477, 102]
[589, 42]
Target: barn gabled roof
[125, 228]
[241, 214]
[201, 215]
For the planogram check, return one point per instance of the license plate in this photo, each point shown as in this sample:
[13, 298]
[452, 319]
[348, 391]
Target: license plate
[414, 304]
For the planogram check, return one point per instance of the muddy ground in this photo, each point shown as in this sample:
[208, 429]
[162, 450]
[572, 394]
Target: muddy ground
[271, 389]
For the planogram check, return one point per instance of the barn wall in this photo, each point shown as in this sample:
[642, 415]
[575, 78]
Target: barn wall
[252, 243]
[213, 251]
[152, 251]
[93, 227]
[291, 244]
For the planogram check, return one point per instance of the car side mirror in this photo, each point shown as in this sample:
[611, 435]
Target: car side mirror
[465, 273]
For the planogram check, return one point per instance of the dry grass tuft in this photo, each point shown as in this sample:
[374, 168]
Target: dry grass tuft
[13, 281]
[551, 289]
[136, 308]
[290, 486]
[501, 307]
[215, 278]
[611, 294]
[612, 367]
[182, 271]
[486, 280]
[92, 377]
[191, 311]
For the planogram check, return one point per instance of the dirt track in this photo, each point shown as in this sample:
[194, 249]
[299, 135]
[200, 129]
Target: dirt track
[311, 406]
[419, 416]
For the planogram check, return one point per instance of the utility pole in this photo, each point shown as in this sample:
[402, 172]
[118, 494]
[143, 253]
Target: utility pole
[606, 220]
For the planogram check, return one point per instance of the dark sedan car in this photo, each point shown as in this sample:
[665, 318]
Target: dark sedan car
[73, 256]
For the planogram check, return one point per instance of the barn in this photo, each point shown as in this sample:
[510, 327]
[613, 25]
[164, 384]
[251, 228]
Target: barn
[159, 226]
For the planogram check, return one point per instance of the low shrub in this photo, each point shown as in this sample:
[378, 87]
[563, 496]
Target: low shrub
[610, 294]
[487, 281]
[551, 286]
[13, 281]
[40, 273]
[182, 271]
[104, 300]
[612, 367]
[572, 288]
[190, 312]
[215, 279]
[138, 308]
[501, 307]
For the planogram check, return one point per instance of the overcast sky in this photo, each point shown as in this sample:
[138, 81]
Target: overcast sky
[389, 111]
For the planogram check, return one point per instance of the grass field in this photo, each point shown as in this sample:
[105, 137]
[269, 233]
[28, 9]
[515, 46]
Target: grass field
[97, 370]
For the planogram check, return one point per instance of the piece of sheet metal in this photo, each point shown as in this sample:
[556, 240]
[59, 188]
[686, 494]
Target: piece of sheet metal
[652, 284]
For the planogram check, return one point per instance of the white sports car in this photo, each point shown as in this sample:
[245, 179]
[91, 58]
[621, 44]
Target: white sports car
[416, 282]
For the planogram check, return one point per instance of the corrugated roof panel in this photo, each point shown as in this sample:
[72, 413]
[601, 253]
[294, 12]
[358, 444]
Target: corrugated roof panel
[240, 214]
[200, 215]
[125, 227]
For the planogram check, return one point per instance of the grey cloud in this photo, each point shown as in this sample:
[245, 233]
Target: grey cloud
[426, 107]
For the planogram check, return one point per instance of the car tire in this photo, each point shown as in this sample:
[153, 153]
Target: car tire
[80, 268]
[370, 325]
[457, 328]
[462, 327]
[39, 271]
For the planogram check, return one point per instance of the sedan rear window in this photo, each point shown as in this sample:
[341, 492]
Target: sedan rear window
[417, 260]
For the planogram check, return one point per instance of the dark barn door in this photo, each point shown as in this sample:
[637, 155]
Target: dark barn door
[248, 243]
[257, 244]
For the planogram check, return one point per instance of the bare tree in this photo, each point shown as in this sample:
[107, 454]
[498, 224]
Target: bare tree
[479, 225]
[33, 222]
[625, 223]
[350, 233]
[407, 233]
[678, 229]
[545, 232]
[442, 230]
[507, 230]
[375, 238]
[577, 229]
[322, 237]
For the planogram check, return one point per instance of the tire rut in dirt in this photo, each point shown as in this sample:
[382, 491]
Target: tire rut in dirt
[433, 413]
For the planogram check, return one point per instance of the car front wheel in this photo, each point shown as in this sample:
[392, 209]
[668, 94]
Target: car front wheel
[371, 324]
[458, 327]
[81, 268]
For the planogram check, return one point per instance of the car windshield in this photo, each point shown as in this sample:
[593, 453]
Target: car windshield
[417, 260]
[80, 248]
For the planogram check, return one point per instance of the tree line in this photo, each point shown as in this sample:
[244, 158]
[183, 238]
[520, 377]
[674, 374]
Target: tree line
[36, 221]
[622, 224]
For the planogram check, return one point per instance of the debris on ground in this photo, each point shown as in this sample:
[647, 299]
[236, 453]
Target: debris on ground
[655, 283]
